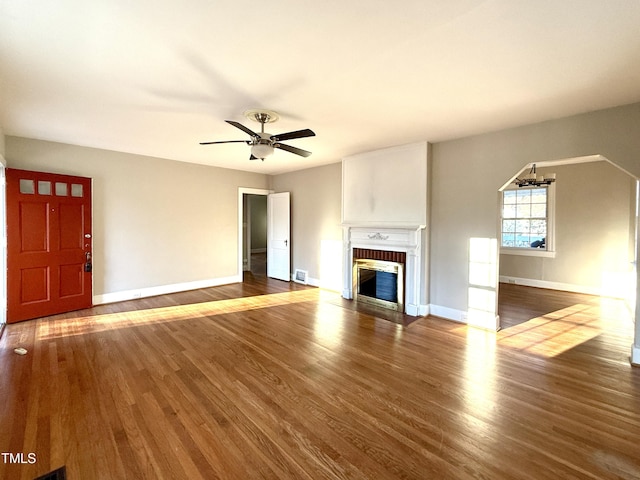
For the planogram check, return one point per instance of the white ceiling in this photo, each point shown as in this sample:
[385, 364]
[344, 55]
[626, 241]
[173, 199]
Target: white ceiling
[156, 77]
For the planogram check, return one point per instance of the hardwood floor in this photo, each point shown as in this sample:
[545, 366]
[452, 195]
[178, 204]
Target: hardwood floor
[259, 263]
[273, 380]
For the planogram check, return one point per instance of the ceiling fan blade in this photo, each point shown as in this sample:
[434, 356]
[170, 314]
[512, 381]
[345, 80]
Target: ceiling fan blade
[224, 141]
[291, 135]
[289, 148]
[243, 128]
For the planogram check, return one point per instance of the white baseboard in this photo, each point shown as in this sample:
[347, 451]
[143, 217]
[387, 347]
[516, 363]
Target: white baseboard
[566, 287]
[448, 313]
[162, 290]
[635, 356]
[416, 310]
[484, 320]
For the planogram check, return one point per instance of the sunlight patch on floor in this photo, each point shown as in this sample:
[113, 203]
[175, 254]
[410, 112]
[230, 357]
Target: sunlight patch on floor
[48, 328]
[555, 332]
[479, 366]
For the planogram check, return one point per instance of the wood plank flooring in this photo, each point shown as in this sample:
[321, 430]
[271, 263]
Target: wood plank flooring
[270, 380]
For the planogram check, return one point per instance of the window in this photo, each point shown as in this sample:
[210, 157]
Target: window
[527, 220]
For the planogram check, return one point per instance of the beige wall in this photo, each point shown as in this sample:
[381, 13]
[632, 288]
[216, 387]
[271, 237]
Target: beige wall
[594, 234]
[2, 147]
[467, 174]
[316, 230]
[156, 222]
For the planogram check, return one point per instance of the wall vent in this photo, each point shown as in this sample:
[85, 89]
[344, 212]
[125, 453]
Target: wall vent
[300, 276]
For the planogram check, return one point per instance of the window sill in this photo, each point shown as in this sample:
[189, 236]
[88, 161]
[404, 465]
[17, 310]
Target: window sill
[528, 252]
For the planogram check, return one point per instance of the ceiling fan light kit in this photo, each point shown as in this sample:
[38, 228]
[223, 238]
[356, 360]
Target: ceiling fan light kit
[261, 150]
[263, 144]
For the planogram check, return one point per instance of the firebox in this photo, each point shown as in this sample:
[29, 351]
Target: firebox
[379, 282]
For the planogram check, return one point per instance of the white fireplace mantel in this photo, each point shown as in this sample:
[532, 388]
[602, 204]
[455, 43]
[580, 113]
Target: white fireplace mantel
[407, 239]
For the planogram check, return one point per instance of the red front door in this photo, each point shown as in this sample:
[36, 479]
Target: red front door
[48, 244]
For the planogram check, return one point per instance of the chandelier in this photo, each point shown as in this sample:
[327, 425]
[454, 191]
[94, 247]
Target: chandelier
[532, 179]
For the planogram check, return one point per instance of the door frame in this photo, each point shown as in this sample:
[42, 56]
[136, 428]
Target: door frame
[241, 193]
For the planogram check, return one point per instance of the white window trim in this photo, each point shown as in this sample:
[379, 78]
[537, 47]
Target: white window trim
[550, 251]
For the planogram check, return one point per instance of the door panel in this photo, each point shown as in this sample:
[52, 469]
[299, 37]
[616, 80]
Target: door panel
[70, 281]
[34, 223]
[48, 244]
[71, 227]
[278, 232]
[34, 285]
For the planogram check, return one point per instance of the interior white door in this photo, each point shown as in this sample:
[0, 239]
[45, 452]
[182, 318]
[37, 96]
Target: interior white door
[278, 236]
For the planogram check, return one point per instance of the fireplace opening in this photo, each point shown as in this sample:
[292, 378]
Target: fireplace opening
[379, 282]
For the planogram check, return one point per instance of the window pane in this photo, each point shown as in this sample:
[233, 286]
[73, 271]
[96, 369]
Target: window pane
[523, 226]
[539, 195]
[522, 240]
[44, 188]
[523, 211]
[61, 189]
[76, 190]
[508, 225]
[509, 211]
[509, 197]
[524, 196]
[27, 186]
[539, 227]
[508, 239]
[539, 210]
[538, 242]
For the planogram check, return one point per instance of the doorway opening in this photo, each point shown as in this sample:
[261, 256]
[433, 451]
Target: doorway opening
[252, 233]
[254, 241]
[278, 230]
[594, 250]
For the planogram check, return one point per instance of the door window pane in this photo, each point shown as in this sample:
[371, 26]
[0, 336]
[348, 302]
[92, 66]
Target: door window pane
[61, 189]
[44, 188]
[27, 186]
[76, 190]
